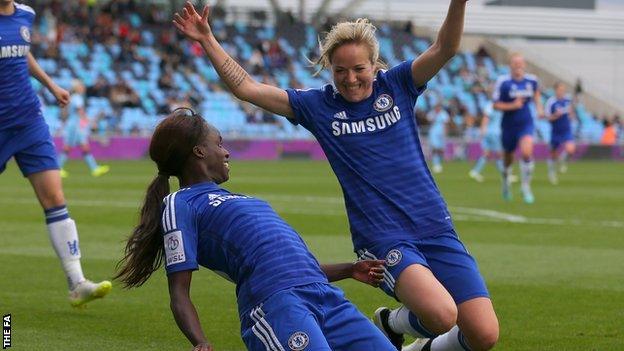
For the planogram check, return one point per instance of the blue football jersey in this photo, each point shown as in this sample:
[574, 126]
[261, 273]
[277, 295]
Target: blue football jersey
[562, 124]
[374, 150]
[507, 90]
[19, 105]
[239, 237]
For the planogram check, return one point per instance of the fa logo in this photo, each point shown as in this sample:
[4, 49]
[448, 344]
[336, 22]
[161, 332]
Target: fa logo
[173, 243]
[25, 32]
[73, 248]
[383, 103]
[298, 341]
[393, 257]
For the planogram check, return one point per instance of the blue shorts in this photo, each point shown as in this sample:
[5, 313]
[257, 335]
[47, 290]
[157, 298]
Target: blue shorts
[443, 254]
[511, 136]
[557, 139]
[31, 146]
[313, 317]
[492, 143]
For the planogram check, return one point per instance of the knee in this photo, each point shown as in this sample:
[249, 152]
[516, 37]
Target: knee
[442, 320]
[484, 340]
[52, 199]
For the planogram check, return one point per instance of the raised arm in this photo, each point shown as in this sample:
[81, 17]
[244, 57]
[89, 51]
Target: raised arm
[183, 310]
[366, 271]
[444, 48]
[195, 27]
[61, 95]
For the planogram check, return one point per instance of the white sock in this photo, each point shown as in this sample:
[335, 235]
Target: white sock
[64, 238]
[453, 340]
[400, 322]
[526, 172]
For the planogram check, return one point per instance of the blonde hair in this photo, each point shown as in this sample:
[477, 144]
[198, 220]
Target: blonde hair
[359, 32]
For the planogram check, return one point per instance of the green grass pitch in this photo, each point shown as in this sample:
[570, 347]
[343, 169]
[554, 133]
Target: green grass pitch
[555, 269]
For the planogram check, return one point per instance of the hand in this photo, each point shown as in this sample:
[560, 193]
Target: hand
[368, 271]
[61, 95]
[204, 346]
[191, 24]
[518, 103]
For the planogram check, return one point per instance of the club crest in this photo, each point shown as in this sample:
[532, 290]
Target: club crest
[298, 341]
[383, 103]
[393, 257]
[25, 32]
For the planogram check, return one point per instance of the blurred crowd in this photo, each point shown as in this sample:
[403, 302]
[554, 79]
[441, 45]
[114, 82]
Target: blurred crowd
[140, 39]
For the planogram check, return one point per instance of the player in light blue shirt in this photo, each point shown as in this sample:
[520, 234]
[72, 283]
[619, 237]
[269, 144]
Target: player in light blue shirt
[76, 131]
[559, 111]
[364, 123]
[490, 143]
[439, 118]
[513, 95]
[284, 299]
[25, 136]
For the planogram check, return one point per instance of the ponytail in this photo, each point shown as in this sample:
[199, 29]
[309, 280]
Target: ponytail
[144, 251]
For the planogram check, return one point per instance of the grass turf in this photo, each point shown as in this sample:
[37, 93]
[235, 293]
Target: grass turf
[555, 269]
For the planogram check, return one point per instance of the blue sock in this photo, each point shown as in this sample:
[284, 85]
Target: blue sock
[480, 163]
[90, 160]
[62, 159]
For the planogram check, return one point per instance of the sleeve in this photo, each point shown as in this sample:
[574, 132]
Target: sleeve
[401, 75]
[180, 235]
[302, 101]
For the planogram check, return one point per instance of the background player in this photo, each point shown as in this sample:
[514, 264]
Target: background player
[395, 209]
[76, 132]
[513, 95]
[490, 143]
[284, 299]
[439, 118]
[25, 136]
[559, 111]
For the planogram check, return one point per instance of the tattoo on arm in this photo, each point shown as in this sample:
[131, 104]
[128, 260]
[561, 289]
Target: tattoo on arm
[233, 73]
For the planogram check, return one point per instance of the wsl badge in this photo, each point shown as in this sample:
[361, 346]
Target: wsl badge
[25, 32]
[383, 103]
[393, 257]
[298, 341]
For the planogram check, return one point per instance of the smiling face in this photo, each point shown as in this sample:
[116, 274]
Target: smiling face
[353, 71]
[215, 156]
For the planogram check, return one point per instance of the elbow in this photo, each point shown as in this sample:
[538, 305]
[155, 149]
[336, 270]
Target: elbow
[445, 52]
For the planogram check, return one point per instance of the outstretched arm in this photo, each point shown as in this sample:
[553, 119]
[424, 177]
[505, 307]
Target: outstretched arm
[61, 95]
[195, 27]
[366, 271]
[444, 48]
[183, 310]
[509, 106]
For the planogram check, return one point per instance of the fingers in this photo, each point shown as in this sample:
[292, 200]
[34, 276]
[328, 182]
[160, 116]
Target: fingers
[191, 9]
[205, 13]
[186, 14]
